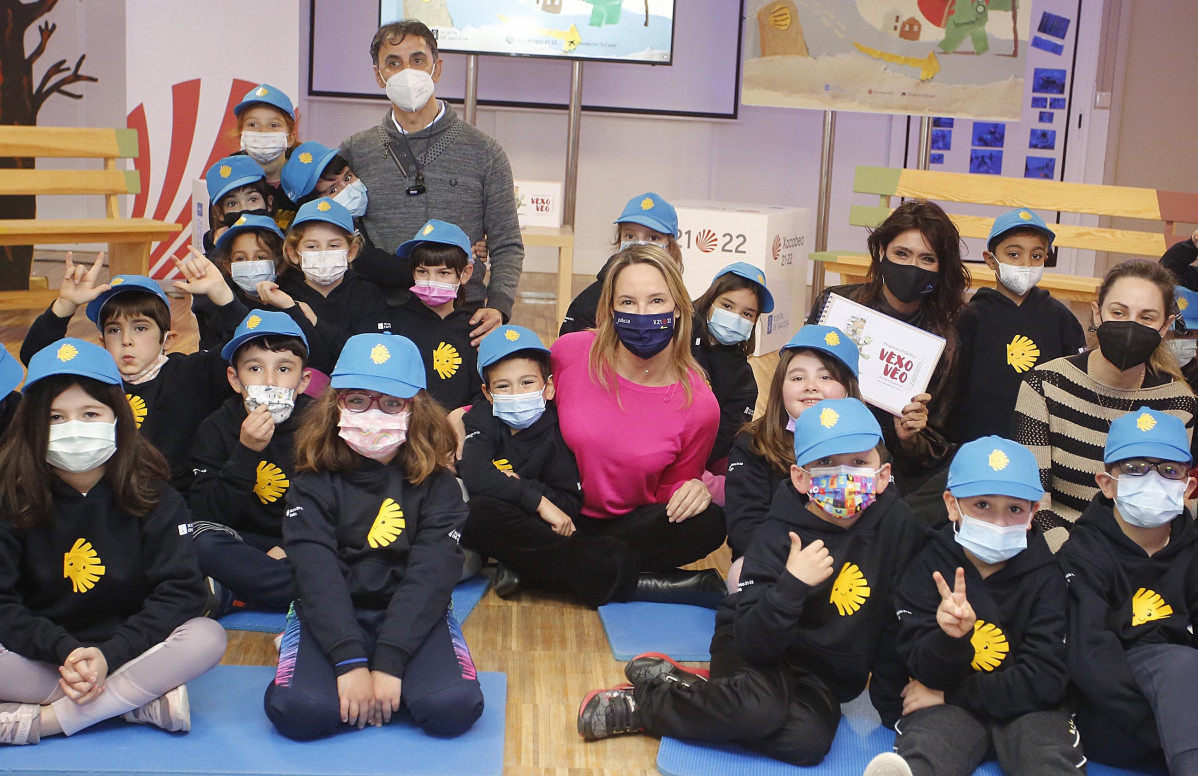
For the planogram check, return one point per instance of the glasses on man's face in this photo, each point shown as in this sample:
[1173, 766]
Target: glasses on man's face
[1138, 467]
[360, 401]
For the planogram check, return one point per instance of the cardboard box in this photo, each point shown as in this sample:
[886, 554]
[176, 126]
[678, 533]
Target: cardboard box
[775, 239]
[539, 203]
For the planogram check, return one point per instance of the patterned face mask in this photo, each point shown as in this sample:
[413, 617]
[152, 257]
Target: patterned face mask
[844, 492]
[373, 433]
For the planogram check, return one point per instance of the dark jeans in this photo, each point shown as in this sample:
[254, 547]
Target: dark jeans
[1168, 676]
[440, 687]
[240, 563]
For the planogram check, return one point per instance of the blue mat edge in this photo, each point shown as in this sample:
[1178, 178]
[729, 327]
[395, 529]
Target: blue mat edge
[682, 656]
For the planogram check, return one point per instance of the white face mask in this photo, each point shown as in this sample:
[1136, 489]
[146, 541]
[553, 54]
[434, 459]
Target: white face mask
[324, 268]
[1019, 279]
[1150, 500]
[1184, 349]
[78, 446]
[989, 542]
[263, 147]
[248, 274]
[353, 198]
[280, 401]
[626, 244]
[410, 89]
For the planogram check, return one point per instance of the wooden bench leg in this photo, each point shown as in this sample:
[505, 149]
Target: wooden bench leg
[129, 258]
[565, 281]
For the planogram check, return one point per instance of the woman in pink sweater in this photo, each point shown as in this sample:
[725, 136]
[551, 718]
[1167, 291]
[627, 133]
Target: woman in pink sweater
[635, 408]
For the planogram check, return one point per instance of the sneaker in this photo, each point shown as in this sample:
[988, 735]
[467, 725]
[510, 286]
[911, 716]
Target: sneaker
[171, 712]
[606, 713]
[887, 764]
[220, 599]
[20, 723]
[654, 667]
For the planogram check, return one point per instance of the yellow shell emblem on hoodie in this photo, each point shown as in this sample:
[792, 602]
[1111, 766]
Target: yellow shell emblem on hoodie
[446, 360]
[82, 566]
[138, 405]
[388, 525]
[1022, 354]
[850, 590]
[502, 464]
[990, 646]
[271, 483]
[1147, 605]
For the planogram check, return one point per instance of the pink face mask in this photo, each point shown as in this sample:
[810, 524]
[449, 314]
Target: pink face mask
[435, 294]
[373, 433]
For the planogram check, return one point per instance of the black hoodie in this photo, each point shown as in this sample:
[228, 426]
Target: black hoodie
[450, 361]
[1014, 661]
[749, 488]
[998, 342]
[580, 315]
[732, 382]
[1120, 598]
[356, 306]
[837, 629]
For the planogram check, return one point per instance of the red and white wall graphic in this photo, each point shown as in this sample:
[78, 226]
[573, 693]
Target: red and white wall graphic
[186, 66]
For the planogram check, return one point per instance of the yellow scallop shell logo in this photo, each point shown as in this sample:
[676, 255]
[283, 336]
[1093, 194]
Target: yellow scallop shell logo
[66, 352]
[828, 417]
[446, 360]
[427, 230]
[850, 590]
[239, 221]
[138, 405]
[324, 206]
[780, 18]
[81, 564]
[832, 338]
[225, 171]
[502, 464]
[998, 460]
[647, 203]
[512, 335]
[271, 483]
[262, 91]
[388, 525]
[990, 646]
[379, 354]
[1145, 422]
[253, 322]
[1182, 303]
[1026, 216]
[1147, 605]
[116, 281]
[305, 158]
[1022, 354]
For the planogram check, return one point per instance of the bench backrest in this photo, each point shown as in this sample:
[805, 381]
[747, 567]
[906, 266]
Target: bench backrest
[71, 143]
[945, 188]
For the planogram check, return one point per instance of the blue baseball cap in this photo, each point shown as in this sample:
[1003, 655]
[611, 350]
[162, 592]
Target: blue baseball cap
[1019, 218]
[1187, 306]
[827, 339]
[651, 210]
[231, 173]
[324, 209]
[993, 466]
[435, 231]
[119, 285]
[387, 363]
[267, 94]
[247, 223]
[833, 427]
[11, 373]
[262, 323]
[304, 167]
[1146, 433]
[753, 274]
[503, 342]
[71, 356]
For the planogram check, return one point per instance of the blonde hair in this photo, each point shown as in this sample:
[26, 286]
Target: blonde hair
[296, 233]
[607, 342]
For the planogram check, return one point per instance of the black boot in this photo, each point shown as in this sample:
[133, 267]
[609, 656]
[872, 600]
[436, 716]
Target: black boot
[697, 588]
[507, 581]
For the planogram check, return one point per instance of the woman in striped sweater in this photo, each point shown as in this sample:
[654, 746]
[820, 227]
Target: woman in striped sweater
[1066, 406]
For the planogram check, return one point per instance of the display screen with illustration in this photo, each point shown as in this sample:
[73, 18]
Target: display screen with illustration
[623, 30]
[897, 359]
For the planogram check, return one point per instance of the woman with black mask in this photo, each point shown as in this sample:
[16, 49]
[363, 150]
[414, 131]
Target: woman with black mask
[1066, 406]
[916, 275]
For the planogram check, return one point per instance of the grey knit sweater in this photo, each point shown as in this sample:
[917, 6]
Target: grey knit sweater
[468, 181]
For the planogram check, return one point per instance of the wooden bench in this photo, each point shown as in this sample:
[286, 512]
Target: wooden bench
[1045, 197]
[128, 239]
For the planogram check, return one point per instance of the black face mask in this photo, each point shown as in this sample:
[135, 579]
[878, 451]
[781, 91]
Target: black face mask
[1127, 344]
[908, 282]
[231, 218]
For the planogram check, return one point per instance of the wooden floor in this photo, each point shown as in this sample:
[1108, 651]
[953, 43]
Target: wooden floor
[552, 648]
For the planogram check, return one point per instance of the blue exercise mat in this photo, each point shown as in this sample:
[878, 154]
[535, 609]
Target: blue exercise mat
[860, 737]
[680, 631]
[231, 735]
[465, 597]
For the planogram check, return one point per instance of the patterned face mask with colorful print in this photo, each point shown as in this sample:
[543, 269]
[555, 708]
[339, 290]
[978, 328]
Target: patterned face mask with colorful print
[844, 492]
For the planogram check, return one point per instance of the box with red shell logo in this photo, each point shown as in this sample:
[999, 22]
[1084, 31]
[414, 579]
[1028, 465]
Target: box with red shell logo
[713, 235]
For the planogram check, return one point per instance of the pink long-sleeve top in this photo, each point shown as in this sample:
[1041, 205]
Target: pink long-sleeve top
[636, 450]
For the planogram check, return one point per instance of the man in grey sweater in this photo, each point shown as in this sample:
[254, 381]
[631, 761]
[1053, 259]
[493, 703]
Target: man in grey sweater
[423, 162]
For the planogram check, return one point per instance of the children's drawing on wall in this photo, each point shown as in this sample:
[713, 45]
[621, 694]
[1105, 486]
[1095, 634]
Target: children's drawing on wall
[920, 57]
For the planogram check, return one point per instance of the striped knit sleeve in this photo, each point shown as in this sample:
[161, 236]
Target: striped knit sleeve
[1031, 426]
